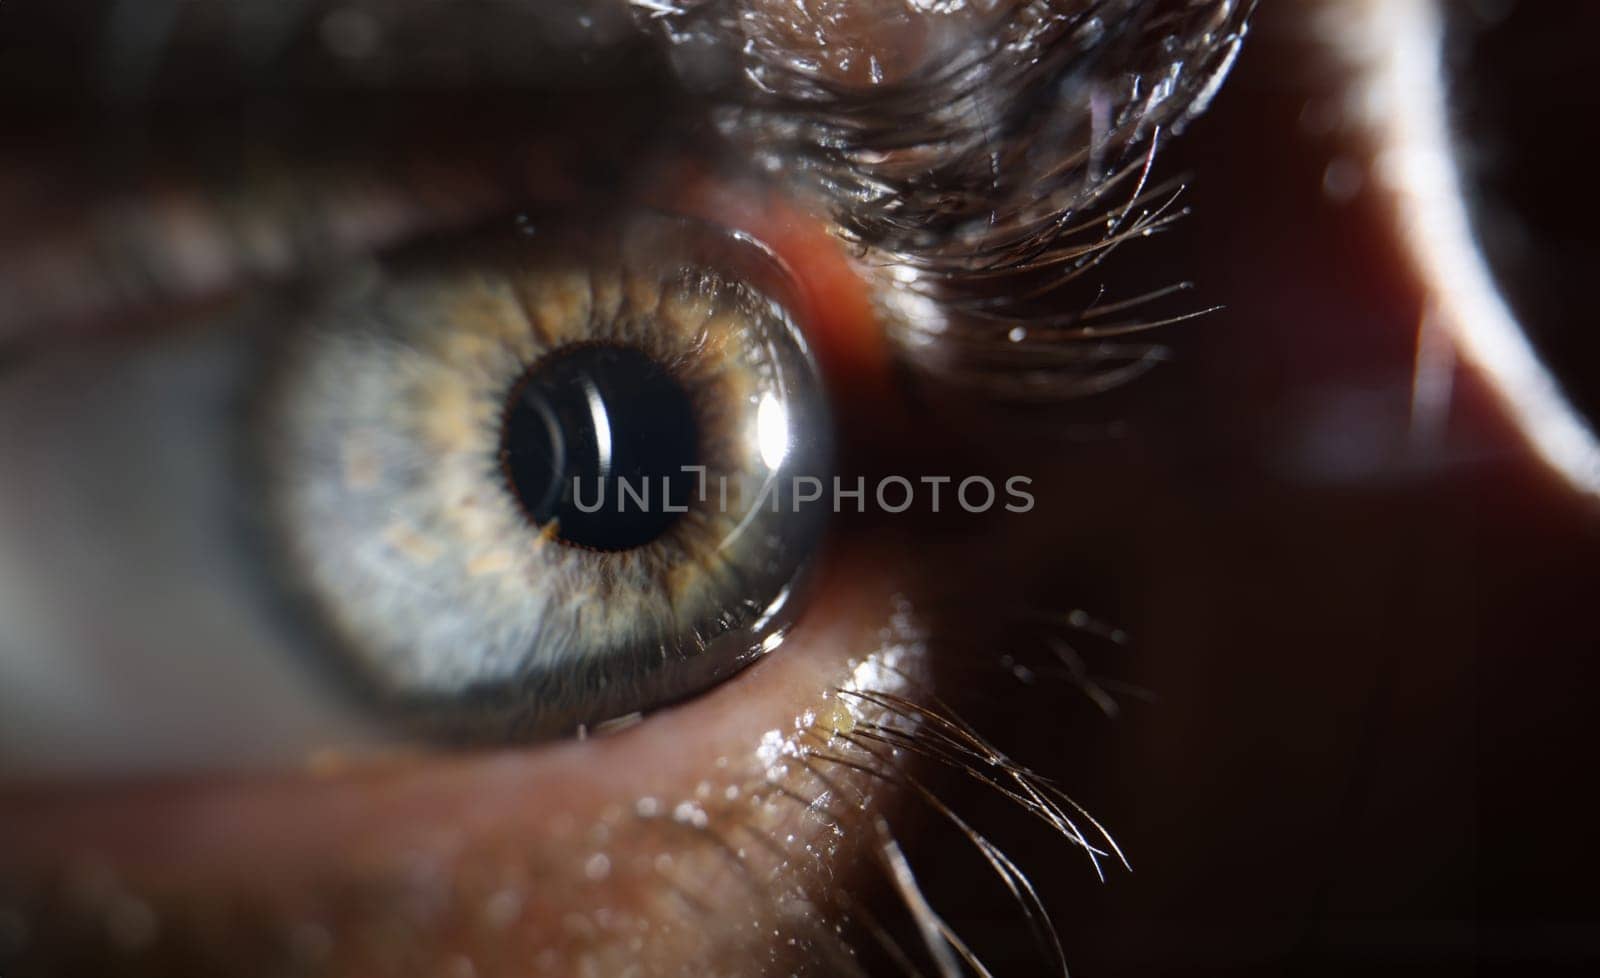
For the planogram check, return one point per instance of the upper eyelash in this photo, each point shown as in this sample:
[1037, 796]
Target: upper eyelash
[1022, 145]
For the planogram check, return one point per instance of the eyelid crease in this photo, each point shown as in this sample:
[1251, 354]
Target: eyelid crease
[134, 256]
[126, 235]
[121, 259]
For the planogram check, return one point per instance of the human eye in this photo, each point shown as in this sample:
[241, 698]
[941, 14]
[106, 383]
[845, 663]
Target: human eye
[316, 660]
[449, 462]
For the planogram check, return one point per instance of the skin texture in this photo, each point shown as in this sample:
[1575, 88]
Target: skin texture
[1349, 675]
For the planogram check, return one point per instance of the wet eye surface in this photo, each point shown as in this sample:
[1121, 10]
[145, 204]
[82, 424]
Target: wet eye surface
[548, 481]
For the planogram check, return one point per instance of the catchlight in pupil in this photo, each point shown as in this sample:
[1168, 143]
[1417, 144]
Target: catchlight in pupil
[599, 439]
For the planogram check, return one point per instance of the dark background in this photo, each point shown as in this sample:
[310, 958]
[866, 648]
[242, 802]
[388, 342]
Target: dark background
[1370, 638]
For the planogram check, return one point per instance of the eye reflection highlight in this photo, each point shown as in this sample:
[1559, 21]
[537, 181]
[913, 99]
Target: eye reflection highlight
[772, 431]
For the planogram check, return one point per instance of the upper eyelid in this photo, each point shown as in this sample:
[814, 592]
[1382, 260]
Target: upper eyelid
[129, 259]
[1153, 68]
[196, 223]
[138, 254]
[189, 245]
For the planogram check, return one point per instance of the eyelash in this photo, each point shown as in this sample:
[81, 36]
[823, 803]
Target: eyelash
[891, 731]
[1074, 110]
[964, 258]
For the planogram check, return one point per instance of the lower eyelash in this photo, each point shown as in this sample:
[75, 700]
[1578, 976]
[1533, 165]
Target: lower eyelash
[889, 730]
[764, 850]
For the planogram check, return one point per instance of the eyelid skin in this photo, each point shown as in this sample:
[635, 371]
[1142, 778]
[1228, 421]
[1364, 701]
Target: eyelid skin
[177, 248]
[264, 201]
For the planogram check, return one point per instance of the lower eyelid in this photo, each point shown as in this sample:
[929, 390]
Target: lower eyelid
[579, 851]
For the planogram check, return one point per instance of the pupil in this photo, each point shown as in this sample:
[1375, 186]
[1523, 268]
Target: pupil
[606, 429]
